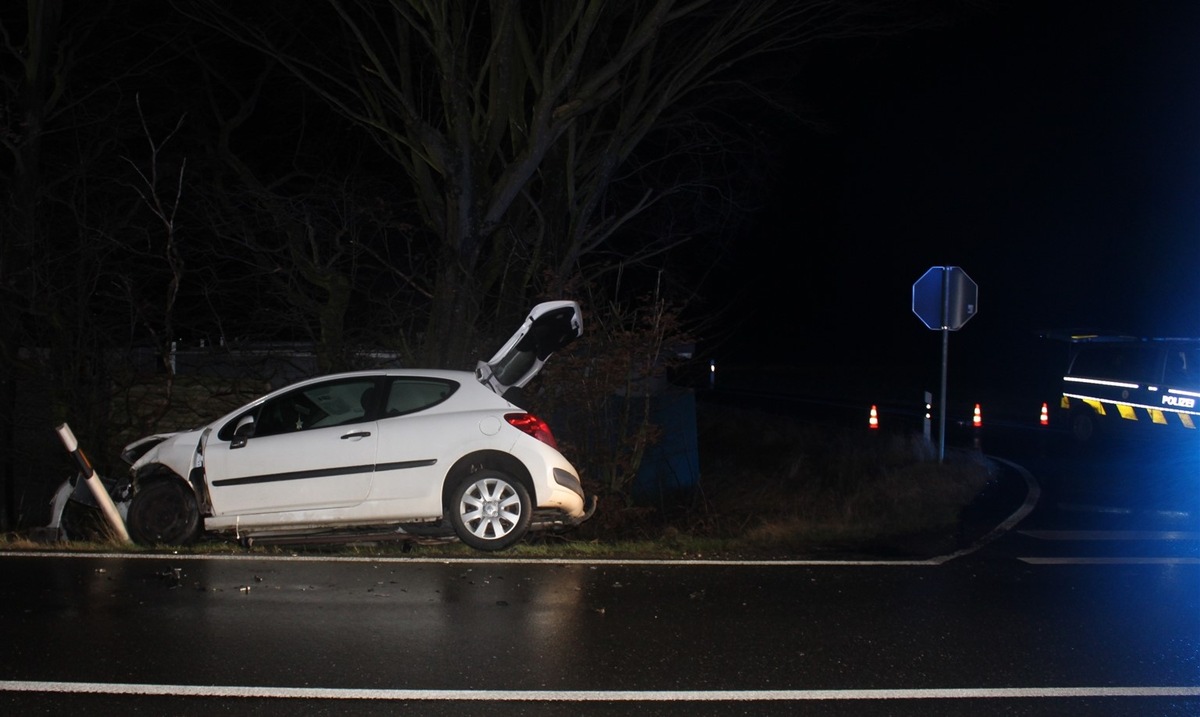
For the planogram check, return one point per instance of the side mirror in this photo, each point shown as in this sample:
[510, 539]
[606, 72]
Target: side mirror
[245, 426]
[243, 431]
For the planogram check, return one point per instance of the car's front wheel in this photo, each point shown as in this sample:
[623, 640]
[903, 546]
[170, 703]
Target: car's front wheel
[490, 510]
[163, 512]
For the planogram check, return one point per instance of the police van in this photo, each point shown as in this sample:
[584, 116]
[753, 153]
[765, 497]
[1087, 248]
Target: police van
[1130, 384]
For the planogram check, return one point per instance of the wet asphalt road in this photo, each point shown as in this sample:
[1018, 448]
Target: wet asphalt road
[1086, 601]
[989, 632]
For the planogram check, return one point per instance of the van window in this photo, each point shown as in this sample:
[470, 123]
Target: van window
[1139, 363]
[1182, 367]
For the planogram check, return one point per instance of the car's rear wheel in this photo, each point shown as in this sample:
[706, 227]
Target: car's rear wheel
[163, 512]
[1083, 425]
[490, 510]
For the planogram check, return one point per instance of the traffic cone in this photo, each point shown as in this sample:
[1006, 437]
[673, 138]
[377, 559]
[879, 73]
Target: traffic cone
[1045, 419]
[873, 423]
[977, 419]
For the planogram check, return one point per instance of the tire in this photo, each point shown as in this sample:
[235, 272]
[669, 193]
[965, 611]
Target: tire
[163, 512]
[490, 510]
[1083, 425]
[83, 522]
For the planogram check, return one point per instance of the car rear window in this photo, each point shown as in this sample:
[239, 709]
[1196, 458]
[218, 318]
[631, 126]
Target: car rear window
[410, 394]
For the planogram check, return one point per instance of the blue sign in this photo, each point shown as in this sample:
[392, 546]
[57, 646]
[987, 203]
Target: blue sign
[945, 298]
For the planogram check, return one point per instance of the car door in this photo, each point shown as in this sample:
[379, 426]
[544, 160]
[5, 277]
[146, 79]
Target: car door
[415, 443]
[310, 448]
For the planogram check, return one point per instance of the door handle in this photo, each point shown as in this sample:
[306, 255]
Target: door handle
[356, 434]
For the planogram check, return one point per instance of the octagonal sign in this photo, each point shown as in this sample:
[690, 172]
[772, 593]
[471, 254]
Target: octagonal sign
[945, 298]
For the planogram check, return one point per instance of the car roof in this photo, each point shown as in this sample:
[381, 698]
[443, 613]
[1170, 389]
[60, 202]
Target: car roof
[462, 377]
[429, 372]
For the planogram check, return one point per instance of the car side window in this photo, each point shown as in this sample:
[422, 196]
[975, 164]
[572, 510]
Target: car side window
[409, 394]
[325, 404]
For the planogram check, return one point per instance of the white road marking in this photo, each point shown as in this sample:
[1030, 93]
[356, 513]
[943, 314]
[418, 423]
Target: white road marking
[1111, 561]
[1148, 536]
[1144, 535]
[325, 693]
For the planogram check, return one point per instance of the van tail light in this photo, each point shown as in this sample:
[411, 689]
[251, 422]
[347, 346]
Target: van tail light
[534, 426]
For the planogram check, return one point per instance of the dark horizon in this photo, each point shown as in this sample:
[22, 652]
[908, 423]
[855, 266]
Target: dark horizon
[1051, 151]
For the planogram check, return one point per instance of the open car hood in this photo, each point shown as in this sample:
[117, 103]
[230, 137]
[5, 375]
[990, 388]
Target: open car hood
[549, 327]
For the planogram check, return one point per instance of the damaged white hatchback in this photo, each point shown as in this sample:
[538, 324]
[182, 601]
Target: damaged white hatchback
[371, 454]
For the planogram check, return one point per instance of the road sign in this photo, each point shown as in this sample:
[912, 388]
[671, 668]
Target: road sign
[945, 298]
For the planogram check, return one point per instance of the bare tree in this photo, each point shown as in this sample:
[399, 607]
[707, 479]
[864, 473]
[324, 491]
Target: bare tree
[163, 202]
[65, 69]
[513, 120]
[299, 226]
[418, 165]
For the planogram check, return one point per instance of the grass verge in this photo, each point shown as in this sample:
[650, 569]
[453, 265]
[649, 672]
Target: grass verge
[772, 487]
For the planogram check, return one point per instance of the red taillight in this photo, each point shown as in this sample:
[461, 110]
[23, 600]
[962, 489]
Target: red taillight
[534, 426]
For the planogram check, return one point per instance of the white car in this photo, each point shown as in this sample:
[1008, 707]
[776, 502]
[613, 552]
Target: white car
[392, 452]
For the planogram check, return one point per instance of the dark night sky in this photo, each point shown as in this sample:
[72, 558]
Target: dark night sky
[1050, 149]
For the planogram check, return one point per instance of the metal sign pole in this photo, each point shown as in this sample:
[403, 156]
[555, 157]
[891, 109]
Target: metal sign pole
[944, 298]
[945, 364]
[942, 396]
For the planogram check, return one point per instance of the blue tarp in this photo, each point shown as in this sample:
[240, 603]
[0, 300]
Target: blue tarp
[670, 470]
